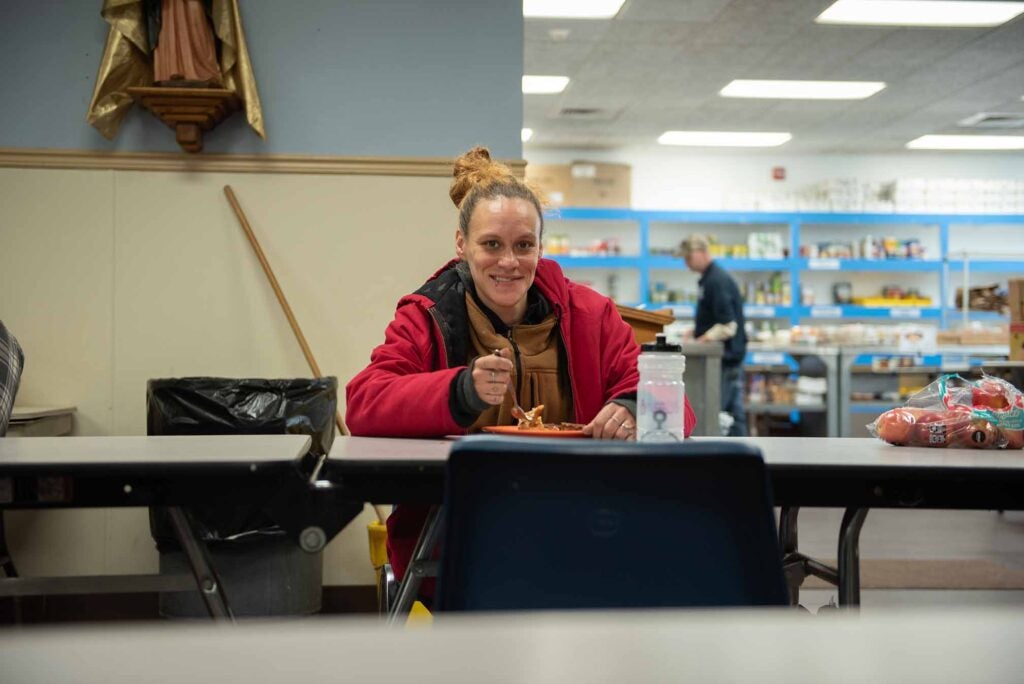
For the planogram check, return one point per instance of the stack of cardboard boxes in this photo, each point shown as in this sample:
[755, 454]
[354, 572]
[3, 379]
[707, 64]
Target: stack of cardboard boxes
[1016, 299]
[583, 184]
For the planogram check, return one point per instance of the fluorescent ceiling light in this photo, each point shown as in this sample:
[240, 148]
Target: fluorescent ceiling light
[920, 13]
[967, 142]
[571, 9]
[541, 85]
[723, 139]
[802, 90]
[526, 134]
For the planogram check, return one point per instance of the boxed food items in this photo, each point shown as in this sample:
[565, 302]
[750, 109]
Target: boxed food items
[1015, 299]
[973, 334]
[1017, 341]
[766, 246]
[583, 184]
[982, 298]
[957, 413]
[554, 180]
[600, 185]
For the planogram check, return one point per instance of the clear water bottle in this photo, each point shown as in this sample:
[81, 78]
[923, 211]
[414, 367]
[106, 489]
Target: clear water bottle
[661, 395]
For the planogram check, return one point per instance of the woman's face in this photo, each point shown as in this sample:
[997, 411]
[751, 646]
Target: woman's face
[502, 250]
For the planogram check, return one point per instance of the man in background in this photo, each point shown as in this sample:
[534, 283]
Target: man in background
[719, 318]
[11, 361]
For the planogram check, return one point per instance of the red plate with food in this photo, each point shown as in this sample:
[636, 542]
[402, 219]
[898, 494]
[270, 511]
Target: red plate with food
[554, 430]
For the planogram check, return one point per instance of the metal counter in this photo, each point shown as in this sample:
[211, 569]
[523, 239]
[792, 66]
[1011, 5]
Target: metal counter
[703, 378]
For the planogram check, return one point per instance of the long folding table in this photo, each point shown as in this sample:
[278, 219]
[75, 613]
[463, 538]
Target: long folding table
[856, 474]
[261, 471]
[767, 646]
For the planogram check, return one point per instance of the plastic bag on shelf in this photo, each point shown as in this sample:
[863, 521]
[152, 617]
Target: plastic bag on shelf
[957, 413]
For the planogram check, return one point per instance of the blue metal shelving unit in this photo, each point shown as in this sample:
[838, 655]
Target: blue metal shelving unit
[644, 262]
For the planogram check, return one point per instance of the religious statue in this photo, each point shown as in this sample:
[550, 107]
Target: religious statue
[185, 60]
[184, 48]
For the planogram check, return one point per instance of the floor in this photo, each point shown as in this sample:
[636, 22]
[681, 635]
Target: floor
[919, 534]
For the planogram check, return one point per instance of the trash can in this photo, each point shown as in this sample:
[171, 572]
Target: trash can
[262, 570]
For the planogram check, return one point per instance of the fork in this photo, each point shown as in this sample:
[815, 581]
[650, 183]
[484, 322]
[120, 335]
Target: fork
[517, 411]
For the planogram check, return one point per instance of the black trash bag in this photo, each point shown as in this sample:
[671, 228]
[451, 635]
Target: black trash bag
[223, 406]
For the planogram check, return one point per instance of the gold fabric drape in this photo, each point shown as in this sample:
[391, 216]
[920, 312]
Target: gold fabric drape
[127, 62]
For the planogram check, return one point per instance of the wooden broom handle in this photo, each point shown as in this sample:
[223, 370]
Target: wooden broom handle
[280, 295]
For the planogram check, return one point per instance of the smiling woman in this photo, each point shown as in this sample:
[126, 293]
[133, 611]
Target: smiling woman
[498, 317]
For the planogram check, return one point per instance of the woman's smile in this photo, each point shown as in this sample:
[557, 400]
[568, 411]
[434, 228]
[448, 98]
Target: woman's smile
[502, 250]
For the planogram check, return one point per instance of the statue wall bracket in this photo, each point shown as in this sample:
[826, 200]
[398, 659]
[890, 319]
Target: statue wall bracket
[189, 111]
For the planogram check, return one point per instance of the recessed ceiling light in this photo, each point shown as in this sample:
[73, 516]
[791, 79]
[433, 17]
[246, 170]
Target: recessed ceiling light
[802, 90]
[967, 142]
[540, 85]
[723, 139]
[526, 134]
[920, 13]
[571, 9]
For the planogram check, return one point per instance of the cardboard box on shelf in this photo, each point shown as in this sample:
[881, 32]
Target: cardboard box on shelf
[972, 336]
[1016, 299]
[583, 184]
[1017, 341]
[917, 338]
[554, 180]
[601, 185]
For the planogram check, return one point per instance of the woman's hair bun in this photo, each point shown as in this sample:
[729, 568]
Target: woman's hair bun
[473, 168]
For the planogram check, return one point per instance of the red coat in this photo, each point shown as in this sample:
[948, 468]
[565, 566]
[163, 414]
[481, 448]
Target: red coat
[404, 392]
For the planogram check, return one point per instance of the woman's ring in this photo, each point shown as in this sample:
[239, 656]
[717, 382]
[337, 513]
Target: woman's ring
[628, 427]
[493, 376]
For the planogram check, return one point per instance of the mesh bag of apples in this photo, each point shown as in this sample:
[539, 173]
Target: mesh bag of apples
[957, 413]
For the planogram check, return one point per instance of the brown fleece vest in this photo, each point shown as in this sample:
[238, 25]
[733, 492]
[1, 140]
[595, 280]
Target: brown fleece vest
[537, 359]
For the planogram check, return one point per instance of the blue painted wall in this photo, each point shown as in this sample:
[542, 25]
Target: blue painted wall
[420, 78]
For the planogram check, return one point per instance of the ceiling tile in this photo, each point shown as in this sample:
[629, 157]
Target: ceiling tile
[661, 63]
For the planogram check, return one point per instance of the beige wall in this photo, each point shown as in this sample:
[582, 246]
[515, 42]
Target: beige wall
[109, 278]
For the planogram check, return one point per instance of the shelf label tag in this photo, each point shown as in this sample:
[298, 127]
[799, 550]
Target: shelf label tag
[905, 312]
[758, 311]
[823, 264]
[954, 362]
[826, 312]
[761, 358]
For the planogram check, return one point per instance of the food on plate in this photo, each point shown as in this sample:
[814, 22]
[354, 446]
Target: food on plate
[571, 427]
[533, 419]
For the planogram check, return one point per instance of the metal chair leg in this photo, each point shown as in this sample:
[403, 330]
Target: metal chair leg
[420, 566]
[849, 556]
[792, 562]
[5, 555]
[206, 577]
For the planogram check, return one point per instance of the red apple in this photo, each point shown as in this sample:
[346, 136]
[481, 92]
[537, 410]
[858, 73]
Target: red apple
[989, 395]
[940, 428]
[980, 434]
[895, 426]
[1014, 438]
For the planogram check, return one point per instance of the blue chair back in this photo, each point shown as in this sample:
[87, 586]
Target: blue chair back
[536, 524]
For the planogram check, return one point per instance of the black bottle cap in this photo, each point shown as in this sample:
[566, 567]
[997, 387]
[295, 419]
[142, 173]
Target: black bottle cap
[660, 345]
